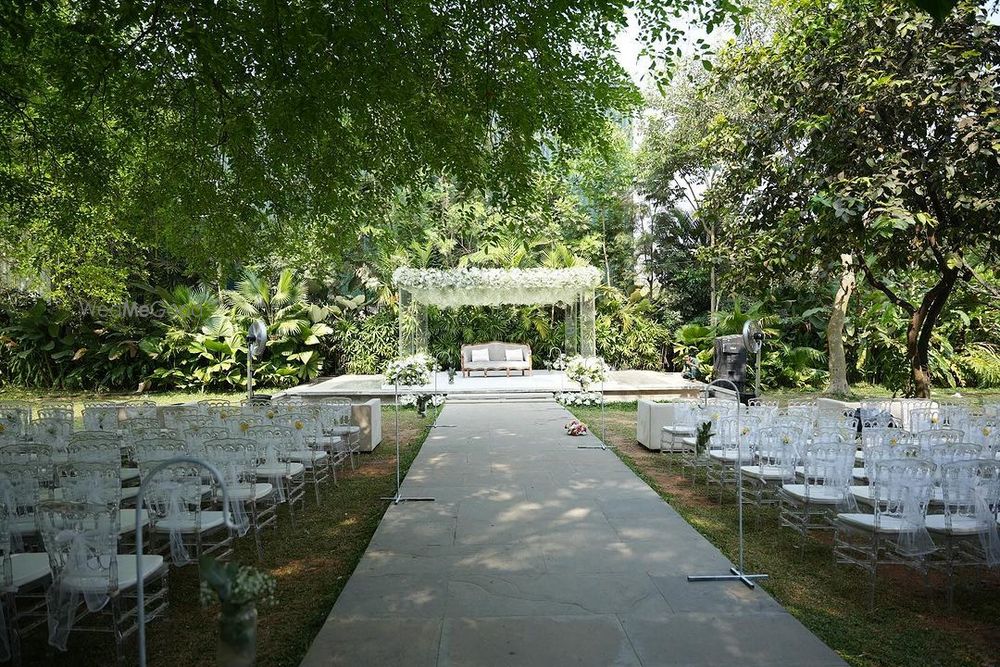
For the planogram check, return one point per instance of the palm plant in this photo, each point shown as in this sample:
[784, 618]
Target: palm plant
[282, 306]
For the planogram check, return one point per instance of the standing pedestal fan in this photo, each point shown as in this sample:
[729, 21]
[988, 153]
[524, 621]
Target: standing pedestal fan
[256, 343]
[753, 341]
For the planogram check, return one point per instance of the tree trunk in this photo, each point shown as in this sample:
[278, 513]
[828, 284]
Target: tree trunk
[835, 329]
[918, 336]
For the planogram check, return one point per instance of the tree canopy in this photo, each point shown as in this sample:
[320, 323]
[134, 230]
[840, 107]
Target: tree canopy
[874, 133]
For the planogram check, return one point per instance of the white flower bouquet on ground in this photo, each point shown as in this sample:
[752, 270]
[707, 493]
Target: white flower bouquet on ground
[586, 370]
[410, 371]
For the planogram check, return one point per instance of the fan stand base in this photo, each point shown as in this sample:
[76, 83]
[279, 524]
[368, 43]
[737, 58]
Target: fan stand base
[735, 575]
[396, 499]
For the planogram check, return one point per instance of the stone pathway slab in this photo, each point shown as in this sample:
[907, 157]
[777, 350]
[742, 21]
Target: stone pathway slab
[537, 553]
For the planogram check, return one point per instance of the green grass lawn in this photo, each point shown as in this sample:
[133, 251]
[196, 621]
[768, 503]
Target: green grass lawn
[311, 562]
[862, 391]
[910, 626]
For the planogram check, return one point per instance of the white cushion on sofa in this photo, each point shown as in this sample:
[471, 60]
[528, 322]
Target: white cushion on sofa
[514, 355]
[481, 354]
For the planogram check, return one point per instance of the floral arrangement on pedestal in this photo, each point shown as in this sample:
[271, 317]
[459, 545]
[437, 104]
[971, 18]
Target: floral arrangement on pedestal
[576, 428]
[559, 363]
[586, 370]
[238, 589]
[410, 371]
[582, 398]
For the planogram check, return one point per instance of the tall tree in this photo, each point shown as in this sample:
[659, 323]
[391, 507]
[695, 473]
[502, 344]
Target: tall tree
[873, 130]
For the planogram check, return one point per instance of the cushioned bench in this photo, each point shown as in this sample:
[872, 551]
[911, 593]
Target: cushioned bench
[496, 356]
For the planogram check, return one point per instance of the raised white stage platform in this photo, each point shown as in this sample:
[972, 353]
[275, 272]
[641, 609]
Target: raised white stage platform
[620, 386]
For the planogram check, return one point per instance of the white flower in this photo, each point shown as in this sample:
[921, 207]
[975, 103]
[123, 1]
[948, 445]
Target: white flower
[408, 399]
[437, 400]
[586, 370]
[409, 371]
[581, 398]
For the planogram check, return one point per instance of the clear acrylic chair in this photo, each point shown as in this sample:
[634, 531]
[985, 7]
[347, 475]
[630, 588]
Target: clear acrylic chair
[15, 421]
[336, 415]
[776, 455]
[63, 410]
[724, 456]
[22, 592]
[938, 436]
[896, 531]
[238, 424]
[93, 585]
[678, 437]
[901, 446]
[174, 499]
[273, 445]
[826, 476]
[236, 459]
[100, 484]
[141, 410]
[968, 526]
[53, 432]
[195, 438]
[173, 415]
[21, 489]
[308, 449]
[101, 416]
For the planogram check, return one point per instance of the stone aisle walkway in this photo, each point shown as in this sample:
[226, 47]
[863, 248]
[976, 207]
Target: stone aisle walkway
[539, 553]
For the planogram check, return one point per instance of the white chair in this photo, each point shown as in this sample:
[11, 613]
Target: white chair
[93, 585]
[896, 532]
[903, 448]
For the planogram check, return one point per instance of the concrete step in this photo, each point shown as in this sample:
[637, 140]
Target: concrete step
[512, 397]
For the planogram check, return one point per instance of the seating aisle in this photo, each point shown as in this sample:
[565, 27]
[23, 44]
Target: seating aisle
[539, 553]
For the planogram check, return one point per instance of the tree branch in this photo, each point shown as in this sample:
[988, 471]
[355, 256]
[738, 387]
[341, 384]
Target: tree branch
[882, 287]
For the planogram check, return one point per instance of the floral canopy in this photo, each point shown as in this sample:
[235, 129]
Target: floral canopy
[571, 288]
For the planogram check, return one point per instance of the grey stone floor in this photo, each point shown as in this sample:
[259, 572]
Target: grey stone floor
[539, 553]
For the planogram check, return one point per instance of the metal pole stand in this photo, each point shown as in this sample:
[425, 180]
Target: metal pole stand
[735, 573]
[604, 427]
[398, 497]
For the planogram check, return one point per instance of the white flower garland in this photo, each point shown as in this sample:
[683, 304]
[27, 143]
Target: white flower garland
[480, 287]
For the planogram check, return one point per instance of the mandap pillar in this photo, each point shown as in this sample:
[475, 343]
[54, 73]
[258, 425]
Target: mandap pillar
[588, 324]
[412, 325]
[572, 340]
